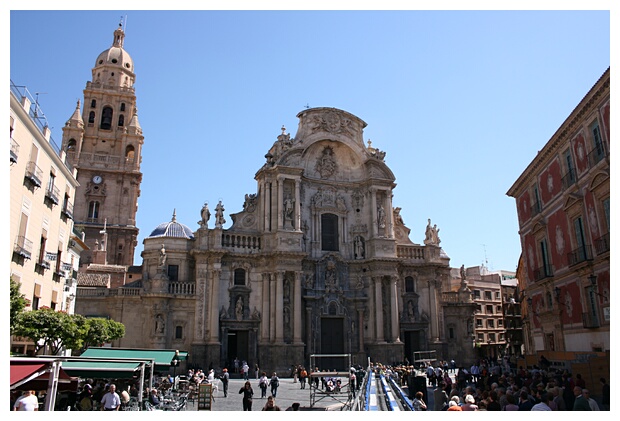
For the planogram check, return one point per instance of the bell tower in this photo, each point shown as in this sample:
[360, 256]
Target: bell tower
[104, 144]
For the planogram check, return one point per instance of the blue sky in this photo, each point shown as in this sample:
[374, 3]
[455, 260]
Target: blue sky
[460, 100]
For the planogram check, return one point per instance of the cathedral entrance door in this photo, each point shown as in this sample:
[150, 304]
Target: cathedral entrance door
[412, 343]
[332, 342]
[238, 346]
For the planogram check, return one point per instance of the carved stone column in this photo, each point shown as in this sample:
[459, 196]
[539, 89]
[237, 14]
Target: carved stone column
[297, 291]
[202, 297]
[272, 308]
[309, 333]
[279, 305]
[297, 205]
[266, 315]
[394, 313]
[360, 327]
[379, 309]
[434, 314]
[389, 215]
[280, 203]
[214, 311]
[373, 212]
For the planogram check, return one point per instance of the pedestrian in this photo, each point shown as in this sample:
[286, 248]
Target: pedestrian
[418, 402]
[606, 394]
[224, 377]
[274, 383]
[543, 405]
[581, 402]
[262, 384]
[303, 375]
[27, 402]
[271, 405]
[256, 370]
[246, 371]
[593, 404]
[440, 398]
[247, 396]
[111, 401]
[470, 404]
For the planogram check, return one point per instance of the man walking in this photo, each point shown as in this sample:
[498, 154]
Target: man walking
[111, 401]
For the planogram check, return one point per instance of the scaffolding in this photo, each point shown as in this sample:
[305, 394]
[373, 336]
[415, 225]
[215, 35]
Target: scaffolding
[334, 385]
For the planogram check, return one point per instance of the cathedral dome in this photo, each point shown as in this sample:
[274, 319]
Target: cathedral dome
[172, 229]
[116, 54]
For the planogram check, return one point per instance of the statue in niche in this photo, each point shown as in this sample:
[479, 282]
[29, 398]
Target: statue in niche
[410, 311]
[219, 215]
[239, 309]
[205, 214]
[359, 248]
[381, 216]
[160, 325]
[289, 208]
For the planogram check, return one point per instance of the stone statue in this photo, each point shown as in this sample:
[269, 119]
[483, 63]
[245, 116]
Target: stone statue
[162, 256]
[239, 308]
[432, 235]
[219, 215]
[205, 214]
[288, 208]
[381, 216]
[160, 325]
[463, 276]
[359, 248]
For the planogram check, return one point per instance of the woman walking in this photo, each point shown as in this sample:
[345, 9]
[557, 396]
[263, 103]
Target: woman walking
[247, 396]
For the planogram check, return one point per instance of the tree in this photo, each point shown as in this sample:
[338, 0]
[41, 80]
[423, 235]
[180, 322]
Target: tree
[52, 330]
[18, 303]
[102, 330]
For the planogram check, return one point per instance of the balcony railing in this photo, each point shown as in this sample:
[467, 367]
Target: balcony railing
[590, 321]
[106, 161]
[543, 272]
[242, 242]
[14, 151]
[410, 252]
[580, 254]
[601, 244]
[568, 179]
[67, 210]
[596, 154]
[34, 173]
[52, 193]
[23, 247]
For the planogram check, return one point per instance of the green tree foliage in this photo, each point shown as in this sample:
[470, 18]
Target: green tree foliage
[18, 303]
[102, 330]
[52, 330]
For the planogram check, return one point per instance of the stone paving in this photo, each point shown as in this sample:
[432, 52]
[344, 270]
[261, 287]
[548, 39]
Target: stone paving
[288, 393]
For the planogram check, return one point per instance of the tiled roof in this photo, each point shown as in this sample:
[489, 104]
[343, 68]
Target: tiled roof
[93, 279]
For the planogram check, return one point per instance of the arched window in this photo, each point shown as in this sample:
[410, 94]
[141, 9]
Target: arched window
[71, 145]
[91, 117]
[121, 120]
[93, 210]
[409, 284]
[129, 153]
[329, 232]
[122, 106]
[239, 277]
[106, 118]
[93, 103]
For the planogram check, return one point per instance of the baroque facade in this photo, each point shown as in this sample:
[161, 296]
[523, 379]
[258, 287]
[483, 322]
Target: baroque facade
[318, 261]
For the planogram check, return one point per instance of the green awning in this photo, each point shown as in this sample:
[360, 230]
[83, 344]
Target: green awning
[163, 357]
[101, 369]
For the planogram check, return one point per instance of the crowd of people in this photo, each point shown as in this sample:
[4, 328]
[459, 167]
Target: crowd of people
[496, 386]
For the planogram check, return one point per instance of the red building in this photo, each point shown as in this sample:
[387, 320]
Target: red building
[563, 207]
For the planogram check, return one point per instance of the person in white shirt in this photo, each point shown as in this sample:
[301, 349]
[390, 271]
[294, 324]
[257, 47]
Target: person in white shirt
[111, 401]
[543, 405]
[593, 405]
[27, 402]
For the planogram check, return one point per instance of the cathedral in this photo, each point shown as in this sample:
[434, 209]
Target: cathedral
[317, 261]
